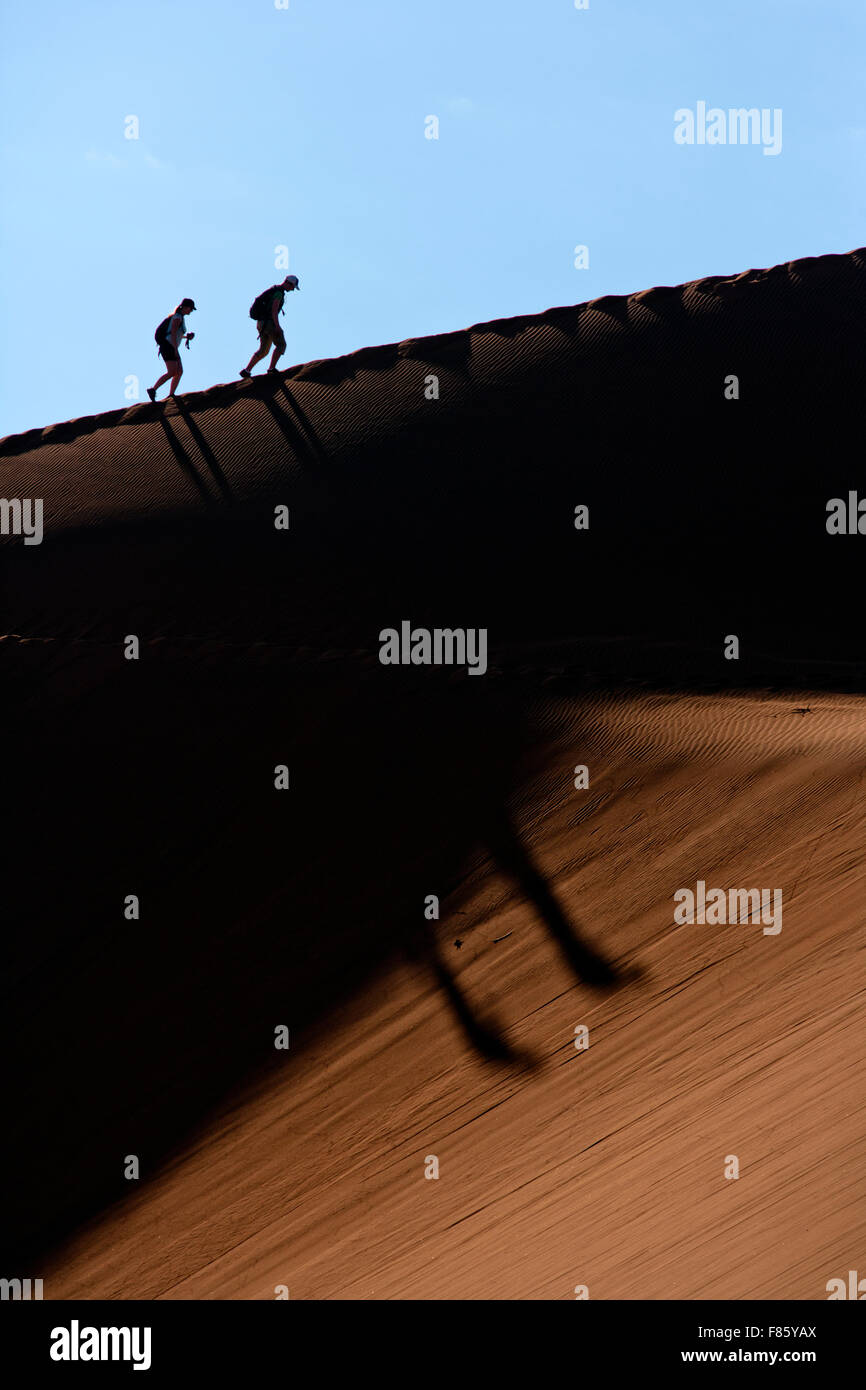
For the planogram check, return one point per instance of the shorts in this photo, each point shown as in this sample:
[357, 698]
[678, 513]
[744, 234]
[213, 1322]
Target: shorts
[271, 335]
[168, 353]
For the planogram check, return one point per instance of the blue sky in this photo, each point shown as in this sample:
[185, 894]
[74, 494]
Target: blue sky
[304, 127]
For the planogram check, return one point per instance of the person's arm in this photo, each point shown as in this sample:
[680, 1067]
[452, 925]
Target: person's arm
[174, 332]
[276, 305]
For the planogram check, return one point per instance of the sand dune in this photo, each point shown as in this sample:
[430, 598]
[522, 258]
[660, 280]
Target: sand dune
[260, 647]
[601, 1167]
[703, 510]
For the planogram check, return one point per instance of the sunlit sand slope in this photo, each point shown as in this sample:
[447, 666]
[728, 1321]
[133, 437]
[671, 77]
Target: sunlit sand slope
[602, 1167]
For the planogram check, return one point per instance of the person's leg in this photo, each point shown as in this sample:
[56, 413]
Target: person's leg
[172, 365]
[256, 358]
[177, 373]
[264, 344]
[279, 349]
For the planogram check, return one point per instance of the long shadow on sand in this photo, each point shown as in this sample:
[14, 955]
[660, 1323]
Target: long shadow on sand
[253, 906]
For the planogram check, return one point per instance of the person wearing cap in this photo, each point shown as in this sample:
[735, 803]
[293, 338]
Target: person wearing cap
[269, 327]
[169, 345]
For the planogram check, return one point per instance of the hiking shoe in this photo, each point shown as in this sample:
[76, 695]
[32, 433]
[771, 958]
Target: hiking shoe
[273, 369]
[244, 373]
[151, 391]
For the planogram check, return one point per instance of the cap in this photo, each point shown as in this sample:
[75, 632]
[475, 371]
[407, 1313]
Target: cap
[188, 303]
[292, 280]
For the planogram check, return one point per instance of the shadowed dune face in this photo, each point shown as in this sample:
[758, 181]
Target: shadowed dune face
[259, 647]
[468, 499]
[461, 509]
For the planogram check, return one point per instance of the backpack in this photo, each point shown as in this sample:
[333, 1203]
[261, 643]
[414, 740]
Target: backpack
[161, 334]
[261, 305]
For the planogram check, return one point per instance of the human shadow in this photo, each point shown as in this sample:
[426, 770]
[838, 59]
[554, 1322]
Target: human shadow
[205, 450]
[185, 462]
[191, 906]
